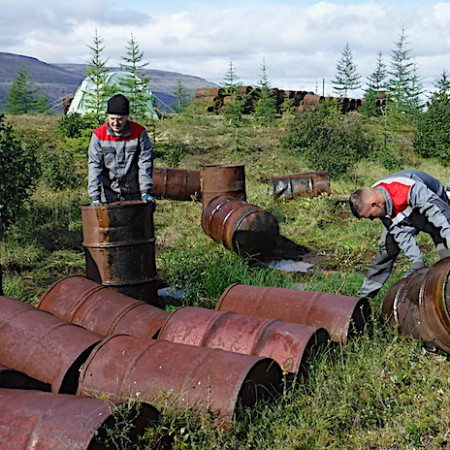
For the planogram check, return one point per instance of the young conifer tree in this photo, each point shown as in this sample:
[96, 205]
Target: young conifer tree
[376, 88]
[401, 70]
[182, 98]
[136, 87]
[265, 107]
[347, 77]
[96, 71]
[22, 96]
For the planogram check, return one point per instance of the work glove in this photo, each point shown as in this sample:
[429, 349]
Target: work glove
[146, 198]
[97, 203]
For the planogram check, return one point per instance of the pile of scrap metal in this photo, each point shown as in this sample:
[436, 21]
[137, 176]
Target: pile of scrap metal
[86, 348]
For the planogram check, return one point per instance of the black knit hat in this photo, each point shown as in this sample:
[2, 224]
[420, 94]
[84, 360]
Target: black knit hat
[118, 104]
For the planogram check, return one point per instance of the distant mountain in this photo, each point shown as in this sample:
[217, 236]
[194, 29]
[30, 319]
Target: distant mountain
[61, 80]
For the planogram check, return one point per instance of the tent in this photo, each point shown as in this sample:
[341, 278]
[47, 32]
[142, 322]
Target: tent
[113, 80]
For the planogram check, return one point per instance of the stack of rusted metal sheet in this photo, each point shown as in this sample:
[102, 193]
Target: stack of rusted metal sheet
[419, 305]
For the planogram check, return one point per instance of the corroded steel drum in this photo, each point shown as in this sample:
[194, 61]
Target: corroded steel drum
[340, 315]
[223, 180]
[119, 245]
[420, 305]
[44, 421]
[196, 377]
[309, 184]
[400, 304]
[240, 226]
[42, 346]
[176, 184]
[83, 302]
[12, 379]
[434, 304]
[289, 344]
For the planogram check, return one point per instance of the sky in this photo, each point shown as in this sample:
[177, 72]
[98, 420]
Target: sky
[299, 42]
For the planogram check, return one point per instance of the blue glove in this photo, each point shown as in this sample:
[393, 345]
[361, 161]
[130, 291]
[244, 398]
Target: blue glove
[97, 203]
[148, 198]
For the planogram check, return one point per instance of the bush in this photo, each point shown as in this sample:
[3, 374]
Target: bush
[72, 125]
[327, 140]
[19, 171]
[58, 170]
[432, 136]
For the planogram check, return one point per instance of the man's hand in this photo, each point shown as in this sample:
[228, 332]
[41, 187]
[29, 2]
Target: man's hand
[146, 198]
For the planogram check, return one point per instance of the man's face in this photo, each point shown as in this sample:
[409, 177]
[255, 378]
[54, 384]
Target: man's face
[372, 209]
[117, 123]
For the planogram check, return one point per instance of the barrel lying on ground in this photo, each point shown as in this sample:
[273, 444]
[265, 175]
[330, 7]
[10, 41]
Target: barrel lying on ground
[176, 184]
[119, 244]
[309, 184]
[42, 346]
[420, 305]
[240, 226]
[340, 315]
[289, 344]
[193, 377]
[78, 300]
[43, 420]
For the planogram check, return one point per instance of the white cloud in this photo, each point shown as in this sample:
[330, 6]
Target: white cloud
[300, 42]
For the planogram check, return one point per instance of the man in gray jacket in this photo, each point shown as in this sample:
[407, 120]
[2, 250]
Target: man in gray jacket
[120, 158]
[407, 202]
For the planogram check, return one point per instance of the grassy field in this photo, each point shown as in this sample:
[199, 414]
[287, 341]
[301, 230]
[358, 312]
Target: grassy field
[380, 391]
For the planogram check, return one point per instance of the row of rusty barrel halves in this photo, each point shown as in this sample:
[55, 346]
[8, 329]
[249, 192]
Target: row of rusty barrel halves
[85, 341]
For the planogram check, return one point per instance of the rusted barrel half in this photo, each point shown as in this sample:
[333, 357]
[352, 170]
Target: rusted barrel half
[289, 344]
[119, 245]
[420, 305]
[309, 184]
[196, 377]
[83, 302]
[400, 305]
[223, 180]
[176, 184]
[240, 226]
[43, 421]
[340, 315]
[12, 379]
[42, 346]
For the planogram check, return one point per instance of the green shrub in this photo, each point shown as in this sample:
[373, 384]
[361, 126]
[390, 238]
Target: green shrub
[432, 137]
[72, 125]
[58, 171]
[327, 140]
[19, 171]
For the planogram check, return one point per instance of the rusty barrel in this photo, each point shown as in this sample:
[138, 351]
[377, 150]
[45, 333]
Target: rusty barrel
[83, 302]
[289, 344]
[227, 179]
[42, 346]
[434, 304]
[240, 226]
[43, 420]
[119, 245]
[400, 305]
[176, 184]
[340, 315]
[420, 305]
[309, 184]
[195, 377]
[13, 379]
